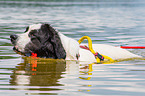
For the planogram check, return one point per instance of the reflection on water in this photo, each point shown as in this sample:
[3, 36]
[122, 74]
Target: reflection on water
[35, 76]
[37, 73]
[59, 77]
[43, 75]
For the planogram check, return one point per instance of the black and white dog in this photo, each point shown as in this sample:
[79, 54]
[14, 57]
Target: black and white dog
[46, 42]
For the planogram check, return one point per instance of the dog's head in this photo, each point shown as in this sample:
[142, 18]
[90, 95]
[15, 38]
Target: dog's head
[41, 39]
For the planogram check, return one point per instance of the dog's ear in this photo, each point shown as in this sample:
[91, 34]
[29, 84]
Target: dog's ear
[55, 41]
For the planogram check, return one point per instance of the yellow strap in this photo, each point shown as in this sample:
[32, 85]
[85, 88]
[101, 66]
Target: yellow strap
[91, 49]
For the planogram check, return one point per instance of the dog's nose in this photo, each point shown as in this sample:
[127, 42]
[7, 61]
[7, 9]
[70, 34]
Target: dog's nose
[13, 37]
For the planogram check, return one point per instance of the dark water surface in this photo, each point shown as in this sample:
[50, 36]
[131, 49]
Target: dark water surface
[114, 22]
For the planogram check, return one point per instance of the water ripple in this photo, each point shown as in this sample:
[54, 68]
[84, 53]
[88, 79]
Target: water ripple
[106, 22]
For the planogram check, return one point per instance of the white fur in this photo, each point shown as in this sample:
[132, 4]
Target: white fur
[34, 26]
[71, 47]
[23, 39]
[116, 53]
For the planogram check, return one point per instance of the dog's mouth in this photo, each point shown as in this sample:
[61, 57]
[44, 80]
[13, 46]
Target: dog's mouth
[17, 50]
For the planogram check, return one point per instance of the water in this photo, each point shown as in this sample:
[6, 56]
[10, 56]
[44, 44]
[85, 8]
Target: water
[114, 22]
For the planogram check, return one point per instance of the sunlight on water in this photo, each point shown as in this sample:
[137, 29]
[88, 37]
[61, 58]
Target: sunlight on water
[114, 22]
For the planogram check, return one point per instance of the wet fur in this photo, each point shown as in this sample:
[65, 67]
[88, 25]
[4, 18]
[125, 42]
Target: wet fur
[45, 42]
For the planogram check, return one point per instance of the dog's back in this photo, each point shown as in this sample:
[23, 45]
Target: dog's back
[116, 53]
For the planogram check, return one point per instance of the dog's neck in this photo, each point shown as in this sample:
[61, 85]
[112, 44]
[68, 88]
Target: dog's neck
[71, 47]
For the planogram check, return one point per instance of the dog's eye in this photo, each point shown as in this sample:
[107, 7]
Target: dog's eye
[32, 33]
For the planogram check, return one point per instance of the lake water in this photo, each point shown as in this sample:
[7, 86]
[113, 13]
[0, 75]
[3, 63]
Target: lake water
[114, 22]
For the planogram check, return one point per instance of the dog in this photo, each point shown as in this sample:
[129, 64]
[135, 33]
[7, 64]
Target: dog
[46, 42]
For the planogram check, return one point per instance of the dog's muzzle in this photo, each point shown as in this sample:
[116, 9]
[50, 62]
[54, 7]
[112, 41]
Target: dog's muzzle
[14, 38]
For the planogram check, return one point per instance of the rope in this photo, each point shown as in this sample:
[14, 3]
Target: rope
[91, 49]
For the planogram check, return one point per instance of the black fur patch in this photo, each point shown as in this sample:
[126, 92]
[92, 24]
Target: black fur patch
[45, 42]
